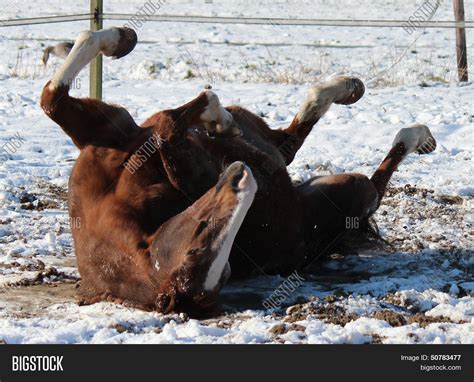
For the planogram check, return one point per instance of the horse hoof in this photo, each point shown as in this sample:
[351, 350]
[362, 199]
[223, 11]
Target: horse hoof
[416, 138]
[127, 41]
[354, 90]
[218, 121]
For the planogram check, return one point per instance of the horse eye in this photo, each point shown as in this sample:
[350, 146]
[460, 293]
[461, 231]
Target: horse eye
[193, 252]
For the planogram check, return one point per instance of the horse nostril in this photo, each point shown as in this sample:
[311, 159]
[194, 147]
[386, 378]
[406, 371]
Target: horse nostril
[200, 228]
[164, 303]
[236, 167]
[236, 171]
[233, 174]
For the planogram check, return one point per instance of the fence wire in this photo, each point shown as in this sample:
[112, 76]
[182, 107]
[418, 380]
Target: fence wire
[237, 20]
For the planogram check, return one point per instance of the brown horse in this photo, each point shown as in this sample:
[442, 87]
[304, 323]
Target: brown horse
[162, 222]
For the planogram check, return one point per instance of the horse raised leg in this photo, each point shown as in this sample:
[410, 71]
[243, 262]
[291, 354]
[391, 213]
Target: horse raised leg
[340, 90]
[343, 202]
[205, 109]
[417, 138]
[89, 121]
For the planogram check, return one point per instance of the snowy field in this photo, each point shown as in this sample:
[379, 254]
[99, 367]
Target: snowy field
[420, 290]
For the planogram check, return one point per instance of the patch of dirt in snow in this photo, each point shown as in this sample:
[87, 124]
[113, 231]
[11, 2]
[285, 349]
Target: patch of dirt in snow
[48, 196]
[32, 301]
[35, 238]
[406, 213]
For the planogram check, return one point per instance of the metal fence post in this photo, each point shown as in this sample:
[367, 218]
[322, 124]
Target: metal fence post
[95, 84]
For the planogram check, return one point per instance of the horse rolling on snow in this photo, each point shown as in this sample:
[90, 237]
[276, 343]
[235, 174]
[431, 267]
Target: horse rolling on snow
[164, 235]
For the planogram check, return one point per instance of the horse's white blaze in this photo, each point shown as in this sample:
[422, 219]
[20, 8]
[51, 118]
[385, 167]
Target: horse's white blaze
[87, 46]
[227, 236]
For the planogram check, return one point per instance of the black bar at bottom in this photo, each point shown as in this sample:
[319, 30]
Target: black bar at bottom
[216, 362]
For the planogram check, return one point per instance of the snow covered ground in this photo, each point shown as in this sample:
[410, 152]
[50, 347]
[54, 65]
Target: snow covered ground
[419, 291]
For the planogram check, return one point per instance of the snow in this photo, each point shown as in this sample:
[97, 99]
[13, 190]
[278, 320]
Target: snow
[428, 216]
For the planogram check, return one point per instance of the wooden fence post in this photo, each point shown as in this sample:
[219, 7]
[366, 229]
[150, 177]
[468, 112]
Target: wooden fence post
[95, 84]
[461, 48]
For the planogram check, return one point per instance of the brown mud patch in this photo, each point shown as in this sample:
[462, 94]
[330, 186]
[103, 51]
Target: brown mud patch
[31, 301]
[43, 196]
[424, 320]
[329, 313]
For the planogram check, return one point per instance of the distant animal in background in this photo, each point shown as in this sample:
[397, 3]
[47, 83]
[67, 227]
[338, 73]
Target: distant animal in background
[61, 50]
